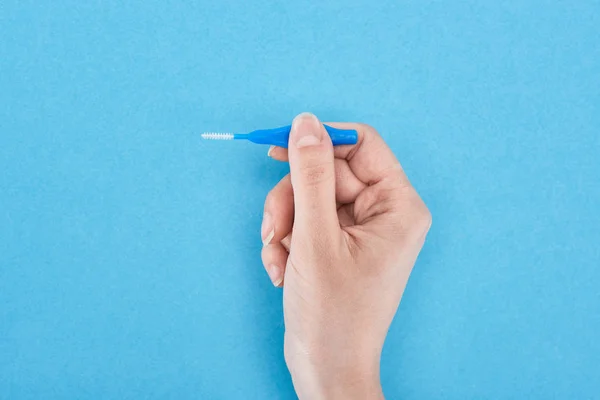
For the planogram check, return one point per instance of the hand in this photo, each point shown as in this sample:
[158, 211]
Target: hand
[341, 234]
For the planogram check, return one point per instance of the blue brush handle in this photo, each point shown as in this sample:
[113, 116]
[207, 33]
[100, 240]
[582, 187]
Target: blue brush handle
[280, 136]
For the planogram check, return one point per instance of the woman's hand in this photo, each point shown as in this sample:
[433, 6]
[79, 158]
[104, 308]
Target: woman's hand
[341, 233]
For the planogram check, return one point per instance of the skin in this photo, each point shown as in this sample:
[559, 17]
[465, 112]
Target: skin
[341, 234]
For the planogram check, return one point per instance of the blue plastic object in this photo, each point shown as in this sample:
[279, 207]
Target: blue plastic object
[280, 136]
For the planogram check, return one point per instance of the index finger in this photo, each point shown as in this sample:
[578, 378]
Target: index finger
[370, 159]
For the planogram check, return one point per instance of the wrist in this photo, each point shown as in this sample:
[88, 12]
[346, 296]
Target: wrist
[349, 378]
[339, 384]
[363, 384]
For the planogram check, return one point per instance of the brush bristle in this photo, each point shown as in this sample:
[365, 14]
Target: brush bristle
[217, 136]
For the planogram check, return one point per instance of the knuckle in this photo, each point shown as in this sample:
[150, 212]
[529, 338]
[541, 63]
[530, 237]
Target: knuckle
[270, 200]
[264, 255]
[316, 174]
[424, 218]
[421, 216]
[414, 218]
[276, 195]
[368, 129]
[270, 254]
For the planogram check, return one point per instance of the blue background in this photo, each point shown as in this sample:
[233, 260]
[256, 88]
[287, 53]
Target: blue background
[130, 251]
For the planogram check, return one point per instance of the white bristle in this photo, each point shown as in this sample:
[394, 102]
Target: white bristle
[217, 136]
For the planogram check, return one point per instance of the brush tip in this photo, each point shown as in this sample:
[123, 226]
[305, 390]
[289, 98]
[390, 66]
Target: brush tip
[217, 135]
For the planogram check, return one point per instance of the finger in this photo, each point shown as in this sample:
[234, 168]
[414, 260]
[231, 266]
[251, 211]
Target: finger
[274, 258]
[286, 242]
[370, 159]
[313, 178]
[278, 153]
[347, 185]
[346, 215]
[278, 217]
[368, 141]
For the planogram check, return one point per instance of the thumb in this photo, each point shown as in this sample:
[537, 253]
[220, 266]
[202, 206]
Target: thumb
[313, 178]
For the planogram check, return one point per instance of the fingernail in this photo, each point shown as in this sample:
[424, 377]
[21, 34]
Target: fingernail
[267, 231]
[276, 274]
[270, 150]
[306, 130]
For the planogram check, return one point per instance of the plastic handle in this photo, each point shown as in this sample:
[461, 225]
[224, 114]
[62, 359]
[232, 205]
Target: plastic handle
[342, 136]
[280, 136]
